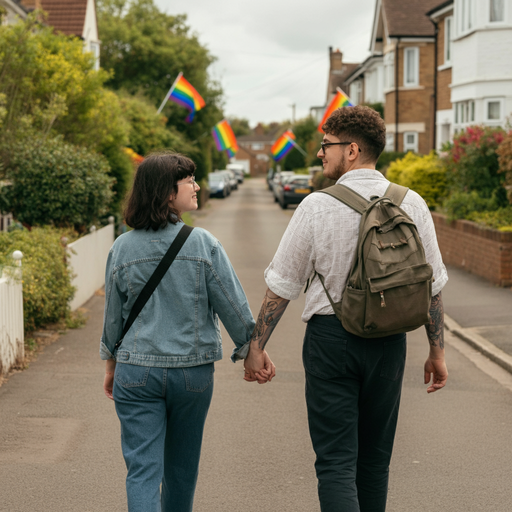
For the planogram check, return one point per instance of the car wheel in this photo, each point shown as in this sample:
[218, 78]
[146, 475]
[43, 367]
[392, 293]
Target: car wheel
[284, 205]
[276, 200]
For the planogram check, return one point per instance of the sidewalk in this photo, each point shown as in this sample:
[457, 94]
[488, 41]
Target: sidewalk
[481, 314]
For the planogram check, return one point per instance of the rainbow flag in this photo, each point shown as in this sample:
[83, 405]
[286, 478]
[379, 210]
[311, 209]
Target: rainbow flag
[340, 100]
[283, 145]
[182, 93]
[231, 153]
[224, 136]
[136, 158]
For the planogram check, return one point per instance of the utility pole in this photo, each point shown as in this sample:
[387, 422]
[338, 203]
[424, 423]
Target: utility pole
[293, 112]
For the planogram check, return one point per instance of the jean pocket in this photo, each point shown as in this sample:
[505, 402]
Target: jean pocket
[131, 376]
[393, 359]
[325, 357]
[198, 378]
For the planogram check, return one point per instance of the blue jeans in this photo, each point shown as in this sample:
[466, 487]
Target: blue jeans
[162, 413]
[353, 388]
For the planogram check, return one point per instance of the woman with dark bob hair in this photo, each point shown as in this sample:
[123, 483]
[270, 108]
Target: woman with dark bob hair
[161, 376]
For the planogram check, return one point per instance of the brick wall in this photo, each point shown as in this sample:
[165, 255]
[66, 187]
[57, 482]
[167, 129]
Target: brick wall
[444, 79]
[479, 250]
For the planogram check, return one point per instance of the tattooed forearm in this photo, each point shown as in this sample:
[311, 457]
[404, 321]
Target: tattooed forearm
[435, 328]
[271, 311]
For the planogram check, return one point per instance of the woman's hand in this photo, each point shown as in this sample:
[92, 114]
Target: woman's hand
[258, 367]
[108, 382]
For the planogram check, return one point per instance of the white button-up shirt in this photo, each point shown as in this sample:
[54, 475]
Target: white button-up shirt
[322, 237]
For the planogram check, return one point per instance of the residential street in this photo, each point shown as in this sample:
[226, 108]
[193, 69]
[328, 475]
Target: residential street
[59, 435]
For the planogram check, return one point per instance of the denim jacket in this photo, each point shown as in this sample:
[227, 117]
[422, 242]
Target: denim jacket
[179, 325]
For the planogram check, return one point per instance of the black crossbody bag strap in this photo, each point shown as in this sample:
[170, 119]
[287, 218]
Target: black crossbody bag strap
[155, 279]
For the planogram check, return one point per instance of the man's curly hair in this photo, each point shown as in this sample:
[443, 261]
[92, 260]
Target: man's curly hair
[361, 125]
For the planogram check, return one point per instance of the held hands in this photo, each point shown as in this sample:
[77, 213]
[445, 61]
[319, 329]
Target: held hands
[258, 367]
[435, 368]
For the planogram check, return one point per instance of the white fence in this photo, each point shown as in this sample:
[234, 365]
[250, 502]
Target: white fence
[12, 349]
[88, 258]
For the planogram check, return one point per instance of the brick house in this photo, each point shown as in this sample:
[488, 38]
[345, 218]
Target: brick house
[255, 148]
[338, 73]
[10, 11]
[442, 19]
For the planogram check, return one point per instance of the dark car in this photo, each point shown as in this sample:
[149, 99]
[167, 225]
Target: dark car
[294, 190]
[219, 185]
[278, 181]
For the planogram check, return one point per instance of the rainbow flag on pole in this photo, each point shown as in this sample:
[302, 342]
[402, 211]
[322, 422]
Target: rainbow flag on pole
[182, 93]
[224, 137]
[340, 100]
[283, 145]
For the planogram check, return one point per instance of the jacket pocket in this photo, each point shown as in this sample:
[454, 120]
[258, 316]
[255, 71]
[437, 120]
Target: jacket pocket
[131, 376]
[325, 357]
[198, 378]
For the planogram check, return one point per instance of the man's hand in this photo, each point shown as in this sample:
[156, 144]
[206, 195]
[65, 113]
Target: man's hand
[108, 382]
[258, 367]
[435, 369]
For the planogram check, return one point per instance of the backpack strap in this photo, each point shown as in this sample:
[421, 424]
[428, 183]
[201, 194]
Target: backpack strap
[347, 196]
[396, 193]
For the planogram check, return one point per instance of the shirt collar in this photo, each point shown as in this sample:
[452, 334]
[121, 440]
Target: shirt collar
[358, 174]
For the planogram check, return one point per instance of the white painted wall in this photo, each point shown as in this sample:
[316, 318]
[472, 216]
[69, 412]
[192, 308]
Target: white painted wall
[444, 123]
[90, 33]
[374, 83]
[12, 349]
[88, 258]
[482, 60]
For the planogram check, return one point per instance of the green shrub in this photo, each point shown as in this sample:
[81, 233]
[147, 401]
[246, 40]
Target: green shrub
[498, 219]
[386, 158]
[462, 205]
[46, 277]
[423, 174]
[56, 183]
[505, 163]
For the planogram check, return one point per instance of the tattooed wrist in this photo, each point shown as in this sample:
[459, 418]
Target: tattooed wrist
[435, 327]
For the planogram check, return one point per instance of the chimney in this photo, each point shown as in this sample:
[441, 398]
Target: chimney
[336, 59]
[259, 130]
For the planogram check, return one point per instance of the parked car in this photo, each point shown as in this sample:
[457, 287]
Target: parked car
[218, 184]
[270, 177]
[239, 174]
[278, 180]
[294, 190]
[233, 181]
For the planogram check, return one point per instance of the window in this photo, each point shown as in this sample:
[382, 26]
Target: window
[95, 50]
[464, 113]
[257, 146]
[445, 133]
[390, 142]
[389, 70]
[355, 92]
[411, 141]
[493, 109]
[411, 66]
[497, 10]
[448, 39]
[466, 15]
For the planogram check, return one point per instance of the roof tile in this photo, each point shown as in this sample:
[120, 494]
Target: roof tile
[408, 17]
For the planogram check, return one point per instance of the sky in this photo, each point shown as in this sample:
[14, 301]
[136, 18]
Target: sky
[272, 54]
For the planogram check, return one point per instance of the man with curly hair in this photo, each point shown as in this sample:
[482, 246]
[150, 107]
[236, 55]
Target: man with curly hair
[353, 384]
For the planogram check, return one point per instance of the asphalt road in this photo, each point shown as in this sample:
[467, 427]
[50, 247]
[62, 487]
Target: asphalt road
[59, 436]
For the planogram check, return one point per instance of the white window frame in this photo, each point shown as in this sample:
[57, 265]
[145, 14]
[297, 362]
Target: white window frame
[411, 146]
[466, 16]
[464, 114]
[504, 4]
[486, 110]
[257, 146]
[448, 36]
[390, 142]
[389, 70]
[95, 50]
[415, 51]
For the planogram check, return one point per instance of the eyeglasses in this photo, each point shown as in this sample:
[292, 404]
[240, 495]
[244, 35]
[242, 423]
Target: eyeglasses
[325, 144]
[191, 181]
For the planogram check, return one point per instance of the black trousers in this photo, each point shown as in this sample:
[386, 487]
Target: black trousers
[353, 388]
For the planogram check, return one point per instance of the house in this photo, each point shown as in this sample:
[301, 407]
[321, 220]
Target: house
[481, 63]
[338, 73]
[255, 148]
[442, 18]
[10, 11]
[366, 83]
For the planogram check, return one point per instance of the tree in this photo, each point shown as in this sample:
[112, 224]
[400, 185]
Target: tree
[146, 49]
[240, 126]
[308, 138]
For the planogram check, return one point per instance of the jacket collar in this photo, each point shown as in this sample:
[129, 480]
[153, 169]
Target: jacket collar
[362, 174]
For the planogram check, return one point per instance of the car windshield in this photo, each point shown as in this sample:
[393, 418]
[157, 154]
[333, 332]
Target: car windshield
[215, 177]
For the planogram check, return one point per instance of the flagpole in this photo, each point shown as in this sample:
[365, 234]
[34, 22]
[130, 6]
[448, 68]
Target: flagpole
[169, 93]
[296, 145]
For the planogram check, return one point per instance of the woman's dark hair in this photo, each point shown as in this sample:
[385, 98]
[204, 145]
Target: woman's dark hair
[155, 181]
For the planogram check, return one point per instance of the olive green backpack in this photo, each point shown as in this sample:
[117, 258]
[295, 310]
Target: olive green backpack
[389, 287]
